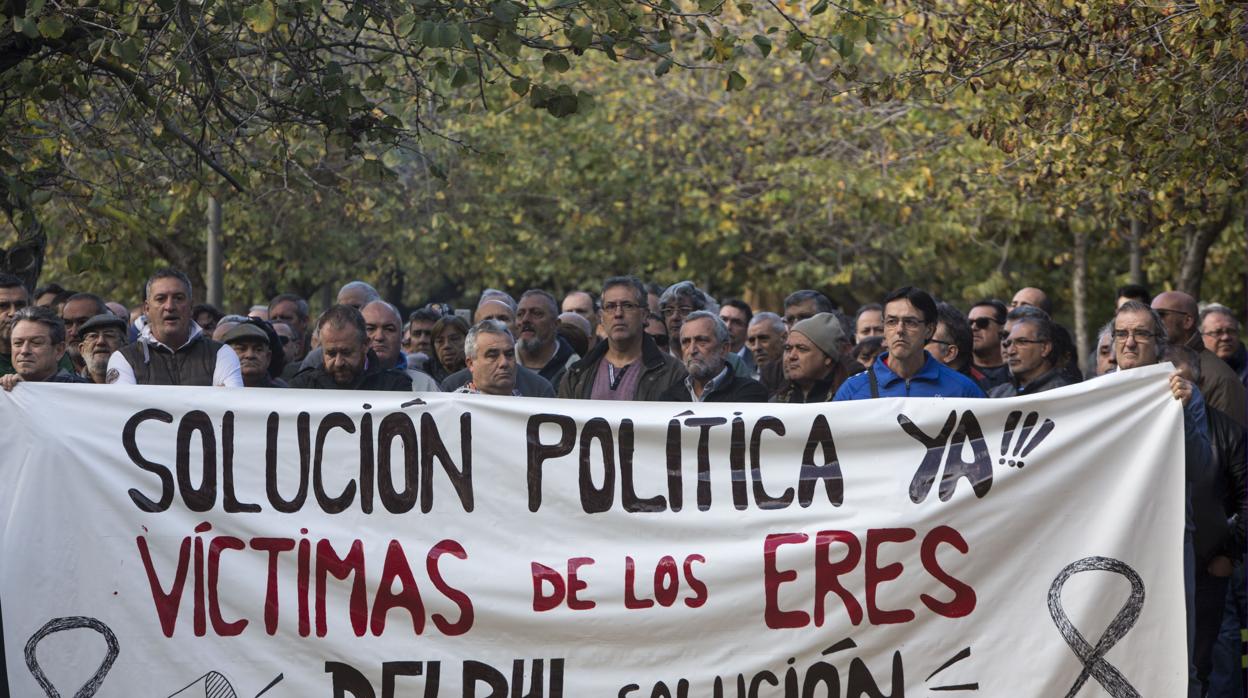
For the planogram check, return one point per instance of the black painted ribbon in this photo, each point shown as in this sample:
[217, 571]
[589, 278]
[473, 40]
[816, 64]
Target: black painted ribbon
[1093, 658]
[56, 625]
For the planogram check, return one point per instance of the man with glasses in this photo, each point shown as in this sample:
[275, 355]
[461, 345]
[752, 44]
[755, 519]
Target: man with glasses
[1032, 357]
[628, 365]
[906, 369]
[78, 309]
[1219, 384]
[987, 318]
[100, 337]
[1220, 330]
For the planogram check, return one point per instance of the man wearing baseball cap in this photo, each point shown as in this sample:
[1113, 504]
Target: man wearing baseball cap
[813, 360]
[254, 347]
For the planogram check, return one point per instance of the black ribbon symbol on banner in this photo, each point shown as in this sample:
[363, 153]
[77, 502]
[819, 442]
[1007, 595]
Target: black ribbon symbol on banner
[56, 625]
[1093, 658]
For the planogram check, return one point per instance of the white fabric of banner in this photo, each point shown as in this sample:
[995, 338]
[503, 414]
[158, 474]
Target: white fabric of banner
[218, 542]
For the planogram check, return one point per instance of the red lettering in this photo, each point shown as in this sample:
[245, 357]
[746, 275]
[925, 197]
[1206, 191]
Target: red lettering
[877, 575]
[327, 563]
[166, 603]
[466, 613]
[666, 581]
[773, 578]
[274, 547]
[699, 589]
[219, 625]
[630, 578]
[541, 600]
[963, 595]
[827, 573]
[575, 584]
[396, 567]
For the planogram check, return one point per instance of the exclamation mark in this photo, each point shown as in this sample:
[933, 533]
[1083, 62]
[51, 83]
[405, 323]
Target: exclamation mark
[1010, 422]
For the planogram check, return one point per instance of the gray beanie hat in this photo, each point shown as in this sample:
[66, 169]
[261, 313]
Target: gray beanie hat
[824, 330]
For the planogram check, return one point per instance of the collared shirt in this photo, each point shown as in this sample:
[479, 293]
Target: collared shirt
[226, 372]
[711, 386]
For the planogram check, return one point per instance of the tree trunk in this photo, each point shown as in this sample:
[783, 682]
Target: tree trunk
[215, 274]
[1137, 254]
[25, 258]
[1079, 292]
[1197, 241]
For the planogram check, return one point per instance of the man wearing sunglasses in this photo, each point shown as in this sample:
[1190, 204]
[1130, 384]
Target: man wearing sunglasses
[987, 319]
[906, 369]
[1218, 382]
[1032, 358]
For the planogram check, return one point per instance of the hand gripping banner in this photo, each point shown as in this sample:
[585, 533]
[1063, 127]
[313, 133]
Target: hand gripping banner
[215, 542]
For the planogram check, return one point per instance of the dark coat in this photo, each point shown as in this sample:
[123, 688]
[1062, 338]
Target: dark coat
[735, 389]
[528, 382]
[659, 372]
[374, 377]
[1220, 491]
[1055, 378]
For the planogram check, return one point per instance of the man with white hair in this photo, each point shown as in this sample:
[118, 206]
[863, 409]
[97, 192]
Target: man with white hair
[490, 351]
[705, 344]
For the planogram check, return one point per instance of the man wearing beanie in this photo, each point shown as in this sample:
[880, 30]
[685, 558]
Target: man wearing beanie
[906, 369]
[813, 360]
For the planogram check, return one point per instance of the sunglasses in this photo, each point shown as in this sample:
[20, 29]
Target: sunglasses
[982, 323]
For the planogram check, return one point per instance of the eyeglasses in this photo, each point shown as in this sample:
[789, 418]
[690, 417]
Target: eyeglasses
[1138, 335]
[681, 310]
[982, 323]
[1222, 332]
[909, 322]
[1164, 312]
[1021, 341]
[624, 306]
[791, 320]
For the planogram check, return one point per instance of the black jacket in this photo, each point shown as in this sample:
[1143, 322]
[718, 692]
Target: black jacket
[735, 389]
[1220, 493]
[374, 377]
[659, 372]
[1055, 378]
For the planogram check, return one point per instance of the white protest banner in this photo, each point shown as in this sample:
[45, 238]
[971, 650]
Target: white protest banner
[217, 542]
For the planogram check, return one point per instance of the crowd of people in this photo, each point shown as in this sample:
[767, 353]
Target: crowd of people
[634, 341]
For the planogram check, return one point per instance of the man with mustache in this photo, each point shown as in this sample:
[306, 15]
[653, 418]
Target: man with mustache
[100, 336]
[172, 350]
[539, 346]
[705, 344]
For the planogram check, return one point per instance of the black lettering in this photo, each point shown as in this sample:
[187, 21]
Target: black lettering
[200, 498]
[397, 425]
[339, 504]
[229, 500]
[142, 501]
[539, 452]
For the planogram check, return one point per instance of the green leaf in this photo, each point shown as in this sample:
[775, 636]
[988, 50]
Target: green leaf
[505, 11]
[26, 26]
[663, 67]
[52, 27]
[735, 82]
[555, 63]
[580, 37]
[819, 8]
[445, 35]
[404, 25]
[763, 43]
[261, 17]
[461, 77]
[41, 196]
[520, 86]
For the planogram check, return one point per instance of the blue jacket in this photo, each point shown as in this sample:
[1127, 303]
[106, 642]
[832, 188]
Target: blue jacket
[933, 380]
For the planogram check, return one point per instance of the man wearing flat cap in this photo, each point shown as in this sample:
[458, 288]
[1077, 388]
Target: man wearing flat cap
[813, 360]
[100, 336]
[254, 347]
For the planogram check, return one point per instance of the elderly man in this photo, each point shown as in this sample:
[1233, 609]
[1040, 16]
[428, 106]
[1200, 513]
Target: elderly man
[628, 365]
[357, 294]
[765, 339]
[1032, 357]
[13, 297]
[79, 308]
[906, 369]
[255, 355]
[172, 350]
[540, 348]
[490, 351]
[383, 325]
[1219, 384]
[292, 345]
[1105, 361]
[37, 340]
[101, 336]
[677, 301]
[496, 305]
[987, 320]
[346, 361]
[813, 360]
[705, 343]
[1034, 297]
[1220, 330]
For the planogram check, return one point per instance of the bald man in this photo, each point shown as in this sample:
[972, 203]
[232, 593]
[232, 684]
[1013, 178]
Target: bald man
[1218, 382]
[1033, 296]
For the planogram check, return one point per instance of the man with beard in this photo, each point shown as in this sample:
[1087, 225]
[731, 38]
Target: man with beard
[172, 350]
[906, 369]
[540, 348]
[490, 351]
[78, 309]
[37, 340]
[1220, 331]
[346, 361]
[705, 343]
[383, 325]
[101, 336]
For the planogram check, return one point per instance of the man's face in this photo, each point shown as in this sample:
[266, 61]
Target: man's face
[804, 362]
[985, 330]
[1026, 355]
[1178, 321]
[537, 322]
[1221, 335]
[657, 331]
[11, 300]
[291, 343]
[46, 300]
[288, 312]
[674, 313]
[253, 357]
[494, 366]
[34, 355]
[703, 354]
[97, 345]
[622, 317]
[580, 303]
[449, 347]
[1028, 296]
[420, 333]
[495, 310]
[870, 324]
[169, 311]
[797, 312]
[206, 321]
[905, 331]
[1105, 354]
[344, 353]
[1135, 343]
[765, 341]
[941, 345]
[737, 324]
[382, 326]
[75, 313]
